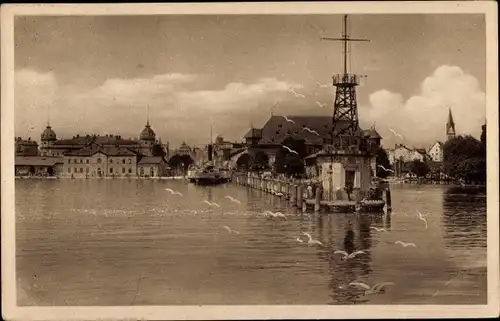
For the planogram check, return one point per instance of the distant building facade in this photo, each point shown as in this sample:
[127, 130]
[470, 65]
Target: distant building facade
[38, 166]
[314, 130]
[152, 166]
[51, 146]
[26, 147]
[436, 152]
[97, 161]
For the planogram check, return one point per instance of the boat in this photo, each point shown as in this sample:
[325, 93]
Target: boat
[209, 175]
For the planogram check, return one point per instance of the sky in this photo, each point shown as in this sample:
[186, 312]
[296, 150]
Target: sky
[106, 74]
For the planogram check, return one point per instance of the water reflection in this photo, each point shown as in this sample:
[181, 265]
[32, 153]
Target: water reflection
[464, 214]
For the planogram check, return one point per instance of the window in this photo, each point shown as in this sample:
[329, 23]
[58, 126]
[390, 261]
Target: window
[99, 160]
[81, 170]
[123, 161]
[111, 161]
[123, 170]
[87, 161]
[111, 170]
[130, 170]
[129, 161]
[69, 161]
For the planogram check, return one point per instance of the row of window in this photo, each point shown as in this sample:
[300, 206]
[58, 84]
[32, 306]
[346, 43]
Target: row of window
[80, 170]
[99, 160]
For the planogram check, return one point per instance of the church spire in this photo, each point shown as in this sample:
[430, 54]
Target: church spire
[147, 117]
[450, 126]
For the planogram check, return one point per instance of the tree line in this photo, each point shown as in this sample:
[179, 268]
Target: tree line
[464, 159]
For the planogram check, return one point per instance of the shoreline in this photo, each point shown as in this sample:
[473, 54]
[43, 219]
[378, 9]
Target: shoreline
[97, 178]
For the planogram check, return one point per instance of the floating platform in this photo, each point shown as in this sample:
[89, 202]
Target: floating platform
[376, 206]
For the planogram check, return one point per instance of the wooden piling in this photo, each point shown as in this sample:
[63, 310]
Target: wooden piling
[300, 194]
[317, 201]
[293, 194]
[388, 201]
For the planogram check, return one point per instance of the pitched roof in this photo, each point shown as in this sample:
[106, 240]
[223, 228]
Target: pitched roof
[95, 148]
[278, 128]
[37, 160]
[102, 140]
[254, 133]
[151, 160]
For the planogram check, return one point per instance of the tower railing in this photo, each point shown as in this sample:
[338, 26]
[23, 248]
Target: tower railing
[345, 79]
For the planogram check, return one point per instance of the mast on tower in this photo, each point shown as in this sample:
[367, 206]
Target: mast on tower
[345, 124]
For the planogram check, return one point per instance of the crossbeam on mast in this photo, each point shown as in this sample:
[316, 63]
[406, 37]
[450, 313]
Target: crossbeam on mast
[345, 39]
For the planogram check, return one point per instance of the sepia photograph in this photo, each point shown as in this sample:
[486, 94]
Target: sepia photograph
[313, 156]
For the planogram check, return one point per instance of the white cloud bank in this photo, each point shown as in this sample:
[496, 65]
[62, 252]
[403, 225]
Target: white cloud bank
[422, 118]
[178, 108]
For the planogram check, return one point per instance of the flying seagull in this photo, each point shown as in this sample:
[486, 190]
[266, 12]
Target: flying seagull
[290, 150]
[346, 256]
[422, 218]
[311, 241]
[396, 134]
[377, 288]
[171, 191]
[227, 228]
[378, 229]
[289, 120]
[321, 105]
[322, 85]
[233, 199]
[385, 169]
[405, 244]
[296, 94]
[211, 204]
[310, 130]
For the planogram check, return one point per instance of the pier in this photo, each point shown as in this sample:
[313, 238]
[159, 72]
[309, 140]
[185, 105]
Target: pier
[315, 199]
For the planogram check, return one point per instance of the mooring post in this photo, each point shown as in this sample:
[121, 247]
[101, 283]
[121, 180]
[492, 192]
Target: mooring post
[300, 194]
[317, 200]
[388, 201]
[293, 194]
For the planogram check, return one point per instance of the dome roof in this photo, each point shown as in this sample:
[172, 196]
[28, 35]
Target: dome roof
[48, 134]
[147, 133]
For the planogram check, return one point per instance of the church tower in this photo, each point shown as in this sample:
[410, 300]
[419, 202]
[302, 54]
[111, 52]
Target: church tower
[450, 126]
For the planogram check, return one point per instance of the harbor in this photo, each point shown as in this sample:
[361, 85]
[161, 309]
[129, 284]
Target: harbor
[266, 159]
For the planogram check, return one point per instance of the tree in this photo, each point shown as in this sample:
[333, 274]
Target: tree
[260, 161]
[158, 150]
[464, 157]
[419, 168]
[483, 134]
[382, 160]
[291, 162]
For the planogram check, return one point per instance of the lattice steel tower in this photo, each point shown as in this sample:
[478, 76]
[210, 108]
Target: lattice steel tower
[345, 109]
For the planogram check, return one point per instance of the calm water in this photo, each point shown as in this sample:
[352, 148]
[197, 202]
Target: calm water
[124, 242]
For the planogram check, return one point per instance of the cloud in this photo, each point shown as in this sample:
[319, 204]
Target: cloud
[422, 118]
[178, 109]
[34, 94]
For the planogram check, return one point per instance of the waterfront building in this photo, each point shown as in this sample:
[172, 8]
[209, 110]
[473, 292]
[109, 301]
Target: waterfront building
[98, 161]
[402, 153]
[152, 166]
[26, 147]
[38, 165]
[51, 146]
[435, 152]
[268, 140]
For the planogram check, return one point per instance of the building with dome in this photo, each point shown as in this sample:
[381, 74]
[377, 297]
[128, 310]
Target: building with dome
[47, 139]
[104, 155]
